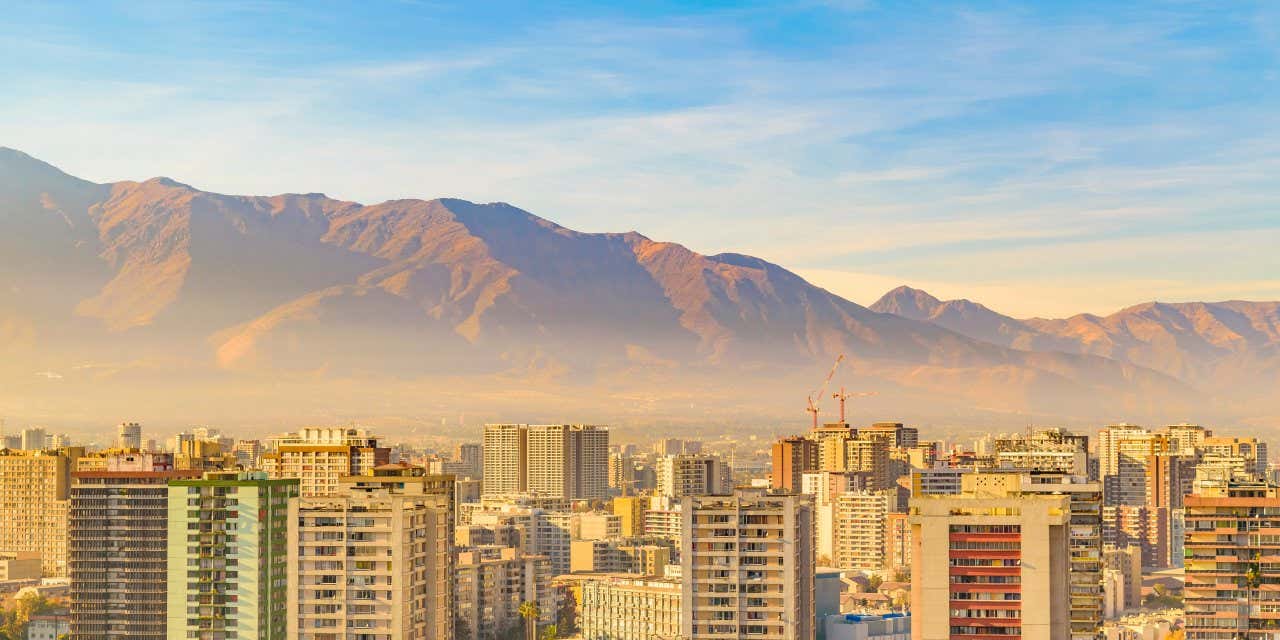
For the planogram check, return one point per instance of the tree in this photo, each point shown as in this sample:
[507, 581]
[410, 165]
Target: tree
[530, 612]
[28, 603]
[873, 583]
[902, 574]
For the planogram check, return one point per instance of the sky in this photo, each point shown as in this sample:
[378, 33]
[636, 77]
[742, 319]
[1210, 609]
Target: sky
[1045, 159]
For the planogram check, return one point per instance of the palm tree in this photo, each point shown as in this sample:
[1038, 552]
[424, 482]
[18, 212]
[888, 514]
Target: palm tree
[530, 612]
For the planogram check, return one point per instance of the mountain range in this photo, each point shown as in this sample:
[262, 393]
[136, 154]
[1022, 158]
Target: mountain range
[158, 297]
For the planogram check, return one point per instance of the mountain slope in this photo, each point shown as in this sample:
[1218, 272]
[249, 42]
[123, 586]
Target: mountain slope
[169, 282]
[1228, 348]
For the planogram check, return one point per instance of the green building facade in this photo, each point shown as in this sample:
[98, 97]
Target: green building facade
[228, 556]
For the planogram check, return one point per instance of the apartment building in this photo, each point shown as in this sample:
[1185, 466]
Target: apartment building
[618, 555]
[505, 454]
[566, 461]
[791, 458]
[1086, 535]
[118, 534]
[628, 607]
[858, 540]
[34, 491]
[1232, 543]
[375, 559]
[1006, 556]
[318, 458]
[693, 475]
[1124, 452]
[228, 556]
[490, 584]
[747, 563]
[870, 454]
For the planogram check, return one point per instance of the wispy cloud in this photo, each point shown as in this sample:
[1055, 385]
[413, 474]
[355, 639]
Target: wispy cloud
[848, 136]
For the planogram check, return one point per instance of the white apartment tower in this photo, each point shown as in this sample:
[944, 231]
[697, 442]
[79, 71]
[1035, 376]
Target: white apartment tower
[693, 475]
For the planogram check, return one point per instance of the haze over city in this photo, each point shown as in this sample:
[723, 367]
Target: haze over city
[812, 320]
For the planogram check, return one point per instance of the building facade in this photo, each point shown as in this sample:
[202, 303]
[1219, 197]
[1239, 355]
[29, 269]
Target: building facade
[228, 557]
[747, 563]
[1006, 557]
[34, 491]
[118, 547]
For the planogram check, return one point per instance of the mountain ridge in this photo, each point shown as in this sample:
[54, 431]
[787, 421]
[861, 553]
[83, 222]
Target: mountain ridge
[238, 287]
[1213, 345]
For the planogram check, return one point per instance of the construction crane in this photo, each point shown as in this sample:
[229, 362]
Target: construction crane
[813, 408]
[842, 396]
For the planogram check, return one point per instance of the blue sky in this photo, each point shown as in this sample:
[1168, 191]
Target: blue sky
[1044, 158]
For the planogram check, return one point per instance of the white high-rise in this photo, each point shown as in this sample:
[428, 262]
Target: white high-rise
[129, 436]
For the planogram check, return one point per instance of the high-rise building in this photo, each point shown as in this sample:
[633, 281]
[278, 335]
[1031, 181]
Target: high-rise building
[567, 461]
[1086, 536]
[897, 543]
[228, 573]
[1185, 439]
[1230, 580]
[618, 555]
[870, 454]
[318, 458]
[747, 566]
[895, 434]
[1123, 453]
[1006, 555]
[34, 491]
[118, 547]
[630, 511]
[505, 447]
[1051, 450]
[491, 583]
[622, 473]
[1250, 450]
[693, 475]
[471, 455]
[129, 436]
[247, 453]
[376, 556]
[830, 439]
[621, 607]
[35, 439]
[859, 529]
[792, 458]
[668, 446]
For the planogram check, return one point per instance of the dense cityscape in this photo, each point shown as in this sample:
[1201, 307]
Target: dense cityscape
[554, 531]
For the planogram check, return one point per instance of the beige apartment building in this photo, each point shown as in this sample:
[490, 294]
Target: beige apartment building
[693, 475]
[34, 491]
[859, 529]
[318, 458]
[564, 461]
[629, 607]
[1232, 546]
[375, 558]
[996, 560]
[490, 583]
[747, 563]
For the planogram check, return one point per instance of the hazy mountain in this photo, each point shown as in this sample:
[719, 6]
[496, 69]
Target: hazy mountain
[155, 291]
[1231, 349]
